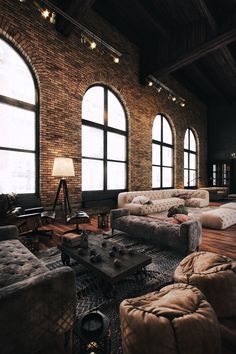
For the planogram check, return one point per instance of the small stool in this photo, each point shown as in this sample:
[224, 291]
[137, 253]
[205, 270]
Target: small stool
[215, 276]
[176, 319]
[80, 217]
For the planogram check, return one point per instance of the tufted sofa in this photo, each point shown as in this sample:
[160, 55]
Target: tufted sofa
[36, 304]
[183, 238]
[161, 200]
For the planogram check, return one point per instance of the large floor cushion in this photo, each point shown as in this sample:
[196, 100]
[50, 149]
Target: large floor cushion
[175, 320]
[219, 218]
[215, 276]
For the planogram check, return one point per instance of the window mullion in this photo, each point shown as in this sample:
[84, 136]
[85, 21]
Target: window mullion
[105, 137]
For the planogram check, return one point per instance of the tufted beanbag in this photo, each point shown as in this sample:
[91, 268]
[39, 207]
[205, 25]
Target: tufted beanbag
[176, 319]
[215, 276]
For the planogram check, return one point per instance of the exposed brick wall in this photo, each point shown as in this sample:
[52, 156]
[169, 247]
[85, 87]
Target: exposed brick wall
[65, 68]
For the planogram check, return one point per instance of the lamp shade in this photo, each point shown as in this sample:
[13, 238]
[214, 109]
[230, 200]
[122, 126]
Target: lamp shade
[63, 167]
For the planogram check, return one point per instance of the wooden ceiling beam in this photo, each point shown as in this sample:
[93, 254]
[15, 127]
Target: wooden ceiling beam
[191, 44]
[226, 54]
[75, 9]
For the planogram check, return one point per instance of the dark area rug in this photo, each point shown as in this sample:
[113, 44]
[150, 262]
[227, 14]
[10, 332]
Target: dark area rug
[90, 295]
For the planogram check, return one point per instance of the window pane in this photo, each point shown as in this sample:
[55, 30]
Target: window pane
[192, 158]
[17, 172]
[186, 160]
[92, 175]
[167, 156]
[192, 176]
[116, 115]
[92, 142]
[166, 177]
[93, 105]
[167, 133]
[15, 77]
[186, 178]
[17, 128]
[156, 129]
[116, 175]
[192, 141]
[186, 140]
[156, 157]
[116, 147]
[156, 177]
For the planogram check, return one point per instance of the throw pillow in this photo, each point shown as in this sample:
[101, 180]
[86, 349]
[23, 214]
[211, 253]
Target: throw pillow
[181, 209]
[180, 218]
[183, 195]
[140, 199]
[172, 220]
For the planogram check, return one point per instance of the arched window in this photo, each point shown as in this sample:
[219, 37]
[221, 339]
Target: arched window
[162, 153]
[18, 126]
[104, 141]
[190, 159]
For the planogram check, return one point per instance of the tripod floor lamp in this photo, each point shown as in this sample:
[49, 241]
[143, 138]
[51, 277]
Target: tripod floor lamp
[63, 167]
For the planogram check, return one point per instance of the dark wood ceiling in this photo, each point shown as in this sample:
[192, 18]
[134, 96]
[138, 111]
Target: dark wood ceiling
[193, 40]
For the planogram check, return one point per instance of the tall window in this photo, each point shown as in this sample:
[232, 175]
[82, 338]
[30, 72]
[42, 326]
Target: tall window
[190, 159]
[17, 123]
[104, 141]
[162, 153]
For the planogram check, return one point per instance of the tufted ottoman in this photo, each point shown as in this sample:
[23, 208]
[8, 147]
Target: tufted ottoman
[215, 276]
[183, 238]
[219, 218]
[177, 319]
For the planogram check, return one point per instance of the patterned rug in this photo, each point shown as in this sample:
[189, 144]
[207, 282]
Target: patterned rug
[90, 295]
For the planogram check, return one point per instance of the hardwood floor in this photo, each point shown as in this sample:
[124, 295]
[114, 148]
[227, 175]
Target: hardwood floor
[218, 241]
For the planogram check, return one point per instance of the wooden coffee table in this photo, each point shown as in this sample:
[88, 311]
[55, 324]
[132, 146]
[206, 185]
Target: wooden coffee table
[105, 269]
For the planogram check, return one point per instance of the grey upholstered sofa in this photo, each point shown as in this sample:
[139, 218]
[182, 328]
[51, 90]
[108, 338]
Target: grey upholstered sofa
[183, 238]
[161, 200]
[36, 304]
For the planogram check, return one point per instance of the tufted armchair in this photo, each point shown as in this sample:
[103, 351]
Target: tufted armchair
[34, 306]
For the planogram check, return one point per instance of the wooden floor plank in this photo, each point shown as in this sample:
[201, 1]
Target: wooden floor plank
[217, 241]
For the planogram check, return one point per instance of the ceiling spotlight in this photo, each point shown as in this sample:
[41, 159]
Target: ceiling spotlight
[159, 89]
[182, 104]
[45, 13]
[173, 98]
[93, 45]
[116, 60]
[150, 83]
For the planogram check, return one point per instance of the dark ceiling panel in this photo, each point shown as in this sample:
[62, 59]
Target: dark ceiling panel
[171, 29]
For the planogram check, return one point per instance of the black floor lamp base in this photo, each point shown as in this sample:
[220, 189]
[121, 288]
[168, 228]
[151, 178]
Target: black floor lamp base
[66, 202]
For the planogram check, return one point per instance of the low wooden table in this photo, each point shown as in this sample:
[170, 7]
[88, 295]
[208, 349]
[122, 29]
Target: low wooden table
[105, 269]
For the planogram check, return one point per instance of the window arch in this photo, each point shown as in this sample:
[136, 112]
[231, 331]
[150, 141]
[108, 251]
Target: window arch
[162, 153]
[190, 159]
[104, 141]
[18, 124]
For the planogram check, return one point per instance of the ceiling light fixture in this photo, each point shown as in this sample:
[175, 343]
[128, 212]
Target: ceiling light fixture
[91, 37]
[159, 86]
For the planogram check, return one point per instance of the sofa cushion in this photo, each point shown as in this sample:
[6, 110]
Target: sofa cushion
[141, 199]
[17, 263]
[196, 202]
[167, 203]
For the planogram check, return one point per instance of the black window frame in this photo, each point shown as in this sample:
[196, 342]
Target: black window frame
[91, 197]
[189, 152]
[163, 144]
[29, 198]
